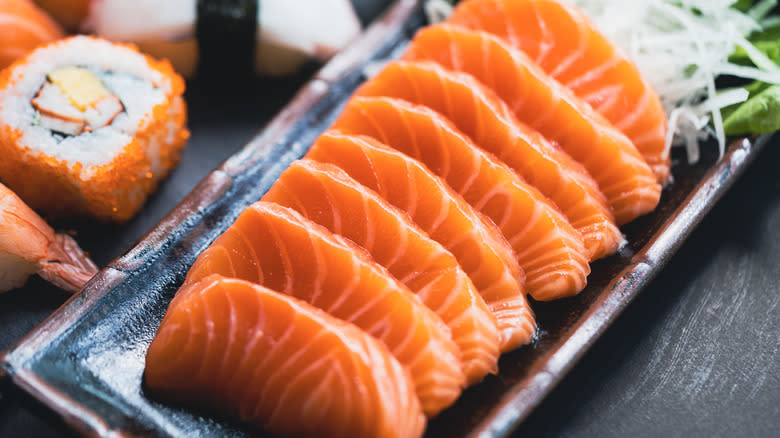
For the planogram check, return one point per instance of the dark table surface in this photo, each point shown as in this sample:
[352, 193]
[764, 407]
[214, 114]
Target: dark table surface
[697, 354]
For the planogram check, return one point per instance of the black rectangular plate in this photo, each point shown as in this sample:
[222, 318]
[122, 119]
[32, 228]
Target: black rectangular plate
[85, 362]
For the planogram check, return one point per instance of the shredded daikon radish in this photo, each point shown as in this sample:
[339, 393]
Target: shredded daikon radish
[757, 57]
[681, 46]
[724, 99]
[762, 9]
[772, 21]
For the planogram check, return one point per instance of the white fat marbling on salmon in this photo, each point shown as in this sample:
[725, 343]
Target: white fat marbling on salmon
[575, 126]
[322, 192]
[568, 46]
[305, 260]
[466, 169]
[266, 385]
[449, 83]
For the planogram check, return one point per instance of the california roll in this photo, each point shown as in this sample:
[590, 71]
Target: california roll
[89, 127]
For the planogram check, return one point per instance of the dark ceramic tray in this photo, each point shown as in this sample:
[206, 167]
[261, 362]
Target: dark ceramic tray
[84, 363]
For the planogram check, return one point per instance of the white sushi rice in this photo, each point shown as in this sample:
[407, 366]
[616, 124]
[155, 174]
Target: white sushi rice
[124, 72]
[14, 271]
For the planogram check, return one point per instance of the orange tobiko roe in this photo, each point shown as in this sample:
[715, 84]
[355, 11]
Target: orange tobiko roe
[112, 192]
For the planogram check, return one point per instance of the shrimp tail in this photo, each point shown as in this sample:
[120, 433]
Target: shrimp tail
[66, 266]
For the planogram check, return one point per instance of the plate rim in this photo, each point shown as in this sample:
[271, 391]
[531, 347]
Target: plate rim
[548, 371]
[544, 374]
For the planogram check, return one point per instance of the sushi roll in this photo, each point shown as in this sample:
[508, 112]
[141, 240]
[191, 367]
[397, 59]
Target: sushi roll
[89, 128]
[23, 26]
[237, 36]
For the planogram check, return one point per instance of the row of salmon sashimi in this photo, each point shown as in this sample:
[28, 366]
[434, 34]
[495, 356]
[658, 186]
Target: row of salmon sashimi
[388, 269]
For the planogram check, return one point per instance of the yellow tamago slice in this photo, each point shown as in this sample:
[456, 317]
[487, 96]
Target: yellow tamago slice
[81, 86]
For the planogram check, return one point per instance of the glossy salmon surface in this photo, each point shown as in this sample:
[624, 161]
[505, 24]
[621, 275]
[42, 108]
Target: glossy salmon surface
[328, 196]
[569, 47]
[477, 112]
[548, 248]
[547, 106]
[278, 248]
[476, 243]
[279, 364]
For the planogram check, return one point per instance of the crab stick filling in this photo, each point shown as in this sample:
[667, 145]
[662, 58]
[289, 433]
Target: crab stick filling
[73, 100]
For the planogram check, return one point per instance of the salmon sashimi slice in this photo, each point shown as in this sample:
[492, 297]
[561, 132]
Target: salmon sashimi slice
[545, 105]
[278, 248]
[328, 196]
[569, 47]
[279, 364]
[405, 183]
[524, 216]
[548, 248]
[477, 112]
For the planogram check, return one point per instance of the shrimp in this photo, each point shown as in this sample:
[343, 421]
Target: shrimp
[28, 245]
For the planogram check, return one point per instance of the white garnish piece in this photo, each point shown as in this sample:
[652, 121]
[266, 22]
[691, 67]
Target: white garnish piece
[681, 46]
